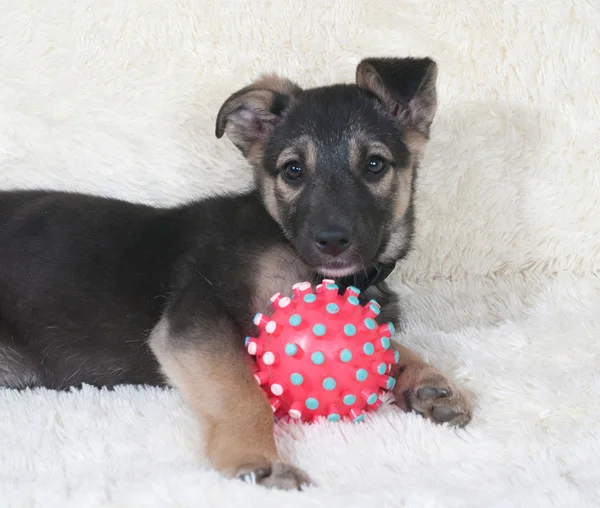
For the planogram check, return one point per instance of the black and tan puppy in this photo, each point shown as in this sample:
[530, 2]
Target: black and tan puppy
[105, 292]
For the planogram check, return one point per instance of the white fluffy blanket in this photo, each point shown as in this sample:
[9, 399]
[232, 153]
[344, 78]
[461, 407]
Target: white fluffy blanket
[502, 291]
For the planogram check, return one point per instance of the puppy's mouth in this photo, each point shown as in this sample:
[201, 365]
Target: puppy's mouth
[336, 271]
[349, 263]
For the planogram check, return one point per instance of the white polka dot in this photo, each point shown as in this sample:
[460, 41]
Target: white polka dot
[275, 296]
[319, 286]
[256, 319]
[276, 389]
[271, 327]
[252, 348]
[268, 358]
[257, 379]
[328, 281]
[284, 302]
[273, 408]
[294, 413]
[304, 286]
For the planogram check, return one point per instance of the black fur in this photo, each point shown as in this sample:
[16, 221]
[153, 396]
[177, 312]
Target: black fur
[85, 279]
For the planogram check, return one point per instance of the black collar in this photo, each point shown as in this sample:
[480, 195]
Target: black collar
[372, 276]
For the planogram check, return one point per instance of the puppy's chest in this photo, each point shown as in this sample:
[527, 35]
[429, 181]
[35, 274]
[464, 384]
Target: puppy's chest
[278, 269]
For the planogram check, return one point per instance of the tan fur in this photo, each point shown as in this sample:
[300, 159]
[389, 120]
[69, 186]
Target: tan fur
[275, 83]
[278, 269]
[404, 191]
[274, 189]
[368, 78]
[300, 149]
[424, 388]
[354, 153]
[219, 387]
[269, 195]
[355, 145]
[383, 187]
[286, 156]
[416, 142]
[254, 155]
[379, 149]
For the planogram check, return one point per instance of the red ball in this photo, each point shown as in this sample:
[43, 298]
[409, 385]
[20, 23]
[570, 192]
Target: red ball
[322, 354]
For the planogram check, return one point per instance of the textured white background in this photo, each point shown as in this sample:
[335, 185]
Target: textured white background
[119, 98]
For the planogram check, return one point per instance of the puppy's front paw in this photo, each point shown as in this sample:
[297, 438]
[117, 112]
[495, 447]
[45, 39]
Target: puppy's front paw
[278, 475]
[424, 389]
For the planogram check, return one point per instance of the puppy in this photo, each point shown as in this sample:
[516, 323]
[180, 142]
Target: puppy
[106, 292]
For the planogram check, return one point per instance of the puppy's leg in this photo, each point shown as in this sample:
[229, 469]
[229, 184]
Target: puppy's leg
[423, 388]
[215, 379]
[420, 386]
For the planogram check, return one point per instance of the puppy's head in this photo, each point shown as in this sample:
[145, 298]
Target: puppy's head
[336, 165]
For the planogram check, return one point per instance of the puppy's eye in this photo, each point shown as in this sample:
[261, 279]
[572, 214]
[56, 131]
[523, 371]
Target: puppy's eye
[292, 171]
[376, 165]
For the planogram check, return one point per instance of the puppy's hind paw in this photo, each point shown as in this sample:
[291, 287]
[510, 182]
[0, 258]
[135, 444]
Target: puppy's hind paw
[278, 475]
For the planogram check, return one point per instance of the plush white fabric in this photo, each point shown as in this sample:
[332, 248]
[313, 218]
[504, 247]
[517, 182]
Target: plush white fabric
[502, 291]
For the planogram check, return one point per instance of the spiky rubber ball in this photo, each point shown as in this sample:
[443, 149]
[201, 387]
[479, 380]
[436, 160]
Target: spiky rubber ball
[322, 354]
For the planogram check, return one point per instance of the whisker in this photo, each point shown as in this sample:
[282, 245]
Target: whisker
[203, 276]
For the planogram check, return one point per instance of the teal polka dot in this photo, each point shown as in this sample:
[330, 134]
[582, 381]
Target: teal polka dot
[354, 289]
[352, 300]
[349, 330]
[295, 319]
[319, 330]
[381, 368]
[332, 286]
[371, 399]
[385, 342]
[396, 355]
[312, 403]
[349, 400]
[317, 358]
[246, 340]
[391, 382]
[291, 349]
[346, 355]
[332, 308]
[374, 309]
[334, 417]
[370, 324]
[309, 298]
[392, 329]
[296, 379]
[361, 375]
[329, 383]
[358, 419]
[368, 348]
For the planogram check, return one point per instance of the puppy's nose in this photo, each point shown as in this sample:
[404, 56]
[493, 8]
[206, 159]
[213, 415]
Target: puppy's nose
[333, 241]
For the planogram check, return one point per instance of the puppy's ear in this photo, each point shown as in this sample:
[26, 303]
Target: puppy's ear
[249, 116]
[405, 85]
